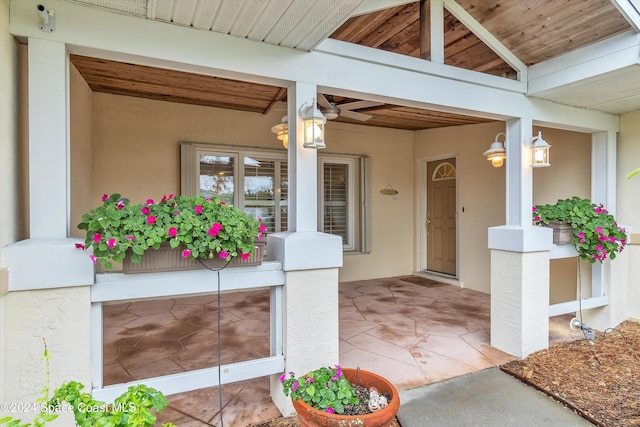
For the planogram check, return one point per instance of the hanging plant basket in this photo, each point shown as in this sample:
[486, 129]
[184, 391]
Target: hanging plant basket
[167, 259]
[562, 232]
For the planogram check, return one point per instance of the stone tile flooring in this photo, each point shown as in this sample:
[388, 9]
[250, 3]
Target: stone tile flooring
[411, 334]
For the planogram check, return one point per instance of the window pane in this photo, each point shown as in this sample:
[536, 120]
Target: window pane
[335, 199]
[259, 190]
[216, 177]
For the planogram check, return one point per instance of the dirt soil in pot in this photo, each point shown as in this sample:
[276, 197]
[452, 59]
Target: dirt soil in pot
[597, 378]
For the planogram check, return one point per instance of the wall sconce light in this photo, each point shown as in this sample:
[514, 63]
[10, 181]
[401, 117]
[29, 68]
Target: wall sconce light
[47, 19]
[539, 152]
[314, 123]
[496, 153]
[282, 131]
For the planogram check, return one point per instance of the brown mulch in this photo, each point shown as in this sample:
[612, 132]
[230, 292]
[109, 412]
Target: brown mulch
[598, 379]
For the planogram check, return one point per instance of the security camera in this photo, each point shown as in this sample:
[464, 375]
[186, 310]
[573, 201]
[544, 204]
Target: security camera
[44, 13]
[47, 19]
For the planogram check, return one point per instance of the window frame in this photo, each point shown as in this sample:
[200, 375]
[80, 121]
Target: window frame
[358, 208]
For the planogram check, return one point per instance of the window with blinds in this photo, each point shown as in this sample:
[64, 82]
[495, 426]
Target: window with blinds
[335, 198]
[217, 171]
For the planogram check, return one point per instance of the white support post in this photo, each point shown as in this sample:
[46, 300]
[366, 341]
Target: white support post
[436, 25]
[519, 172]
[96, 345]
[303, 163]
[519, 257]
[49, 204]
[310, 260]
[48, 139]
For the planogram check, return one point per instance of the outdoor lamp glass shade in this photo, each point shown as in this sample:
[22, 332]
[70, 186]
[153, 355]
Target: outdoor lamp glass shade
[282, 131]
[314, 123]
[540, 152]
[496, 153]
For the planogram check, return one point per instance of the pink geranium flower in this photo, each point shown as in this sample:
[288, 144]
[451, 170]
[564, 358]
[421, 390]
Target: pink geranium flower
[186, 253]
[145, 210]
[105, 197]
[223, 254]
[172, 232]
[215, 228]
[80, 246]
[111, 243]
[197, 209]
[97, 237]
[151, 219]
[245, 256]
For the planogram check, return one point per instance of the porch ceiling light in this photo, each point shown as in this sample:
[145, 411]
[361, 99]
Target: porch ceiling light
[314, 123]
[282, 131]
[496, 153]
[539, 152]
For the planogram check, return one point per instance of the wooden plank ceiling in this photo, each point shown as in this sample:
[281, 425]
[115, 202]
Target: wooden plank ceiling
[533, 31]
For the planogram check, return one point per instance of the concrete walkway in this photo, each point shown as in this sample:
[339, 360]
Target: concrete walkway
[486, 398]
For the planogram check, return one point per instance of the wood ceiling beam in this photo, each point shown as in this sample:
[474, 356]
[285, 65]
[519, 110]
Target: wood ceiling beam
[487, 38]
[628, 9]
[432, 30]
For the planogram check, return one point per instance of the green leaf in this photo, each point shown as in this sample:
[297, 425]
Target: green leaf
[311, 390]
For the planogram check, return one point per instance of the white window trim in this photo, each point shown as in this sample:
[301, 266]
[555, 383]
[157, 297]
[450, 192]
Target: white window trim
[349, 245]
[189, 185]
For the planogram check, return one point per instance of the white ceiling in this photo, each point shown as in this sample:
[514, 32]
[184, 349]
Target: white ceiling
[300, 24]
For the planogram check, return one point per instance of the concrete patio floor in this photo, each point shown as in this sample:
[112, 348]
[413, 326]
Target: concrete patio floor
[411, 334]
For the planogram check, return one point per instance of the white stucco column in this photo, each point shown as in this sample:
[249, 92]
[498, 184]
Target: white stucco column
[303, 162]
[310, 260]
[31, 262]
[519, 257]
[48, 139]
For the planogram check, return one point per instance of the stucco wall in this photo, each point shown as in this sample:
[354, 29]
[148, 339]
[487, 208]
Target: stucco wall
[136, 153]
[569, 175]
[628, 200]
[54, 316]
[81, 109]
[481, 190]
[392, 219]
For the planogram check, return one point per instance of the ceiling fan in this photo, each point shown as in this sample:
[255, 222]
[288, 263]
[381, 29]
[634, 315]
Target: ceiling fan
[330, 109]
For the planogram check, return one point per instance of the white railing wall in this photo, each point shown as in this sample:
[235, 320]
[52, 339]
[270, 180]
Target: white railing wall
[119, 287]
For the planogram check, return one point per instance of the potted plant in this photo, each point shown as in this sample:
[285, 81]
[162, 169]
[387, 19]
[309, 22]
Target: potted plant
[342, 397]
[199, 227]
[596, 234]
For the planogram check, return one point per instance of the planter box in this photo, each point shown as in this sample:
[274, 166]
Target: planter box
[168, 259]
[562, 232]
[311, 417]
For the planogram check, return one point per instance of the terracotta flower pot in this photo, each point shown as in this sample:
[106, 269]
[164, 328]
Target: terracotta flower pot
[311, 417]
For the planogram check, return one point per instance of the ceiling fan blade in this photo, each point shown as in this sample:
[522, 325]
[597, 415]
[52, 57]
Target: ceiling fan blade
[323, 101]
[356, 105]
[354, 115]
